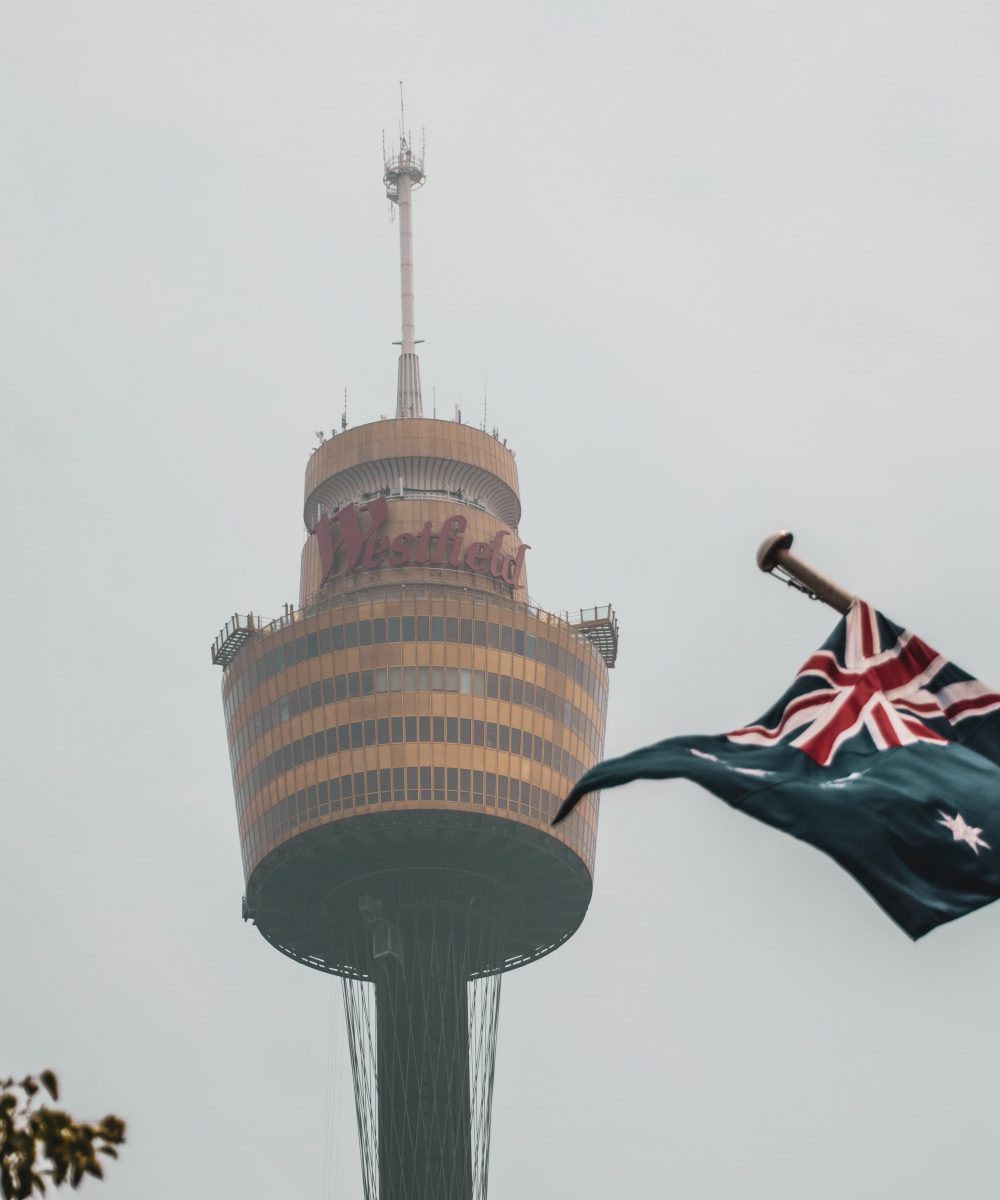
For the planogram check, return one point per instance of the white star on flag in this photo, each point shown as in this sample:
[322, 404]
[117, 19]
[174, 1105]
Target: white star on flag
[961, 832]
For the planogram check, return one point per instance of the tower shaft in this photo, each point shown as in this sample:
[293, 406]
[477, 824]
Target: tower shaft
[424, 1110]
[423, 1030]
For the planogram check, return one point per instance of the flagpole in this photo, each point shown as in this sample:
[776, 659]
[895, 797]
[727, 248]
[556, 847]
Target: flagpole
[775, 558]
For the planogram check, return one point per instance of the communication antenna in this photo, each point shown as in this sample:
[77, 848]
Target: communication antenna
[343, 419]
[486, 380]
[403, 174]
[434, 402]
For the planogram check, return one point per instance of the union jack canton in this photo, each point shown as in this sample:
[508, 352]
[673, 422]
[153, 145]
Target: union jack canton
[882, 753]
[871, 678]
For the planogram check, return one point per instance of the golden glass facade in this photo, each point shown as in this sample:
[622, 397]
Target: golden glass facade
[444, 704]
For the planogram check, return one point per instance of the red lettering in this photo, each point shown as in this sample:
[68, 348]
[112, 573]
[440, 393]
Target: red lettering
[399, 552]
[498, 558]
[478, 558]
[376, 548]
[513, 567]
[349, 531]
[453, 526]
[327, 546]
[350, 536]
[423, 540]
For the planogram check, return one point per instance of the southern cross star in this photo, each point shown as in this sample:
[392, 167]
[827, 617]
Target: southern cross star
[962, 832]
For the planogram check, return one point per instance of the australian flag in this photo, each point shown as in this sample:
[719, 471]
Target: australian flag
[882, 753]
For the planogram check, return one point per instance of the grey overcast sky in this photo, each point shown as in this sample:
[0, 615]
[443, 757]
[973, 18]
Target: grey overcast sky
[729, 266]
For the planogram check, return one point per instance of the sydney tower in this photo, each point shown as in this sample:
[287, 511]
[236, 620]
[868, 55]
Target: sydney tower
[399, 744]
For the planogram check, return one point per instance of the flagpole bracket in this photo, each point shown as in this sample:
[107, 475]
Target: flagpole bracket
[775, 557]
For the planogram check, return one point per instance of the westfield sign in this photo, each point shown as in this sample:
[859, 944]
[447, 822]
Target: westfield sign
[342, 538]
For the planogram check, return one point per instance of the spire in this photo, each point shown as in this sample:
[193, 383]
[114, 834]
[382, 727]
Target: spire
[404, 172]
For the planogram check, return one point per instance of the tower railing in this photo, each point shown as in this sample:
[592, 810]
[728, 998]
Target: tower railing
[238, 629]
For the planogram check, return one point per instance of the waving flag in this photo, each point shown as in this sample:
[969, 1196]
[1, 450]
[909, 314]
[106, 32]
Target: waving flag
[882, 753]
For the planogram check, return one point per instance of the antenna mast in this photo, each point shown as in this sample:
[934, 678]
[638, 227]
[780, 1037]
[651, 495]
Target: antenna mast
[404, 172]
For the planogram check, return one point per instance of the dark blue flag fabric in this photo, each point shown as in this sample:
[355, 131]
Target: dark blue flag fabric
[882, 753]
